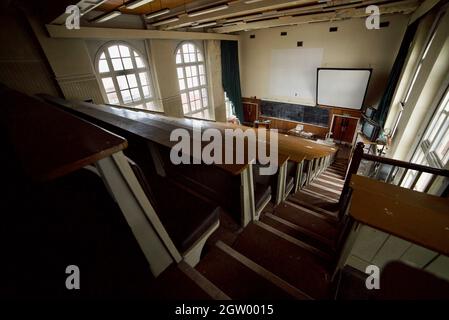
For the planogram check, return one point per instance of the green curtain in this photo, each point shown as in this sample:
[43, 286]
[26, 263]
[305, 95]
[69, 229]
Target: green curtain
[385, 103]
[230, 75]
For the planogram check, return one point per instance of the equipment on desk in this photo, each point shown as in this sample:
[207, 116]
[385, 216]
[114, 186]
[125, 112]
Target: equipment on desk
[299, 132]
[305, 134]
[369, 112]
[370, 129]
[262, 124]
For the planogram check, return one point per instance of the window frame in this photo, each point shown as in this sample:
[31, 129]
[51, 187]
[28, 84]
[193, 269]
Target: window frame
[230, 109]
[425, 151]
[192, 113]
[417, 68]
[113, 74]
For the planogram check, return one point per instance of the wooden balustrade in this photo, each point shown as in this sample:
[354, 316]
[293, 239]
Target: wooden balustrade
[397, 173]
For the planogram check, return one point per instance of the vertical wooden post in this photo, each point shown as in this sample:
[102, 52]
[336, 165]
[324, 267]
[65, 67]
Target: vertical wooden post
[309, 172]
[299, 175]
[353, 168]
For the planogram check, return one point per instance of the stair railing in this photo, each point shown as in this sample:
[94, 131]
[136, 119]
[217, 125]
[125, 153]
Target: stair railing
[397, 172]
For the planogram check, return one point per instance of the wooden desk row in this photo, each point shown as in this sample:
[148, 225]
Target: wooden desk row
[157, 129]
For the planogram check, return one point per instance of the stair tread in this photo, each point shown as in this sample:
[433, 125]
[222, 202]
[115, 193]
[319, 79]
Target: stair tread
[317, 189]
[331, 210]
[327, 185]
[323, 175]
[292, 230]
[305, 219]
[320, 196]
[294, 264]
[238, 280]
[333, 173]
[313, 200]
[174, 284]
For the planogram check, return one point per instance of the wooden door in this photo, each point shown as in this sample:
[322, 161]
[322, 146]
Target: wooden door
[250, 112]
[344, 128]
[336, 128]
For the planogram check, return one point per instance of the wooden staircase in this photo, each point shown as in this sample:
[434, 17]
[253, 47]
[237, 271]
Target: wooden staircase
[290, 253]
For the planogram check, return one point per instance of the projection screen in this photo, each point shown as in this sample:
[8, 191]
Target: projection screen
[345, 88]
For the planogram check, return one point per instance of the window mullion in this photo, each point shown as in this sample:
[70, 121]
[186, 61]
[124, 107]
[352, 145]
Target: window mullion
[113, 76]
[136, 74]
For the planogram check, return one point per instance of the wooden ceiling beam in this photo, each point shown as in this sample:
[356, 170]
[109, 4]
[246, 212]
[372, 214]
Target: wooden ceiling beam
[405, 7]
[237, 8]
[56, 31]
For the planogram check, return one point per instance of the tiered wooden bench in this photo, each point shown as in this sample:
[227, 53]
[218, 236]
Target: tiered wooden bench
[230, 185]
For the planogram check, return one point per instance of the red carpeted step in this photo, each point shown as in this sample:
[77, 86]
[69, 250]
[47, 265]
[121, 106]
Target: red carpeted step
[287, 258]
[241, 278]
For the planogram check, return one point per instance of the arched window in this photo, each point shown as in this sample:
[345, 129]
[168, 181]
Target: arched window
[192, 80]
[125, 77]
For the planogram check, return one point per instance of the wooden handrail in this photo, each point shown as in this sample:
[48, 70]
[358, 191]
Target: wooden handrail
[407, 165]
[358, 155]
[354, 164]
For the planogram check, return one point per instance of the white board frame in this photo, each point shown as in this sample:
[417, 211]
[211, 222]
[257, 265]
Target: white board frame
[370, 70]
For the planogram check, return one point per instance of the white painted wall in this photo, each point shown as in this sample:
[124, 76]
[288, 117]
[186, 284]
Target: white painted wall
[352, 46]
[73, 62]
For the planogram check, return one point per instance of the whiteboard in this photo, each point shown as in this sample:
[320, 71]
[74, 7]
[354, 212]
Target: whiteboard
[344, 88]
[293, 74]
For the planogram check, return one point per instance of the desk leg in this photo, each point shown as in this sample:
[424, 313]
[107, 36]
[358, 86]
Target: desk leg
[282, 179]
[151, 235]
[309, 172]
[247, 203]
[298, 177]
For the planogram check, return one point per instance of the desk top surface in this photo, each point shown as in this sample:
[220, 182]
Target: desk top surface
[158, 127]
[414, 216]
[48, 142]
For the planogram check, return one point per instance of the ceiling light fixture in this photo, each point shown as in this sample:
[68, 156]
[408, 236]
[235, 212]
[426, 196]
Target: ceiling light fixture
[136, 4]
[107, 16]
[252, 1]
[209, 10]
[253, 16]
[160, 23]
[210, 24]
[157, 13]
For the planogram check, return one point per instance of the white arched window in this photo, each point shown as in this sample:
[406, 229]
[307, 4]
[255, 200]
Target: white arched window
[125, 77]
[192, 80]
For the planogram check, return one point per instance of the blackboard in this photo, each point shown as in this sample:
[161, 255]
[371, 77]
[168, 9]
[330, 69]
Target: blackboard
[295, 112]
